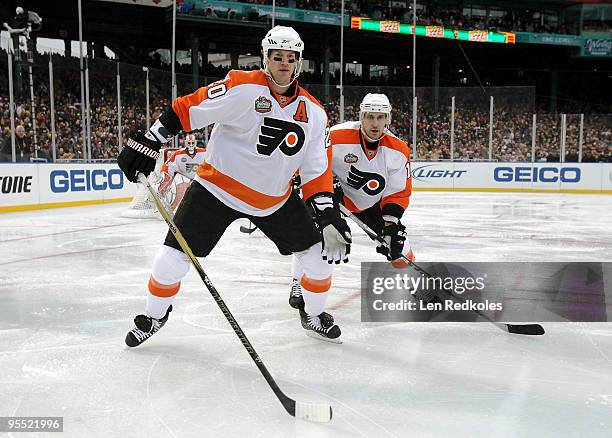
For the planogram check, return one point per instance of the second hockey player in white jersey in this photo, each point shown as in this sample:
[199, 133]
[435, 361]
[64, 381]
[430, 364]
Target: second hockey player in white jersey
[371, 167]
[185, 161]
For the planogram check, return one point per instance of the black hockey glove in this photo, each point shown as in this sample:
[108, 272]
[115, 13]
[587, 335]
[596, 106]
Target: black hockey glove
[335, 233]
[139, 155]
[394, 236]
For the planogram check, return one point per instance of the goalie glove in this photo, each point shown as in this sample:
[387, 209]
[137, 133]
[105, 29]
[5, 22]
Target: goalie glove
[139, 155]
[394, 236]
[335, 233]
[165, 184]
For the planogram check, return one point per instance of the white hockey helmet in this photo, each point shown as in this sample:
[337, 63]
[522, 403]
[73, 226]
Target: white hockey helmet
[191, 143]
[282, 38]
[375, 103]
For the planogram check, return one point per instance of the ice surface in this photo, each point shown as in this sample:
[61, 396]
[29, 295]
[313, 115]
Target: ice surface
[71, 280]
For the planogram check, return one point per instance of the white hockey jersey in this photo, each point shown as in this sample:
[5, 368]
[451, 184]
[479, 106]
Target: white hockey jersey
[367, 177]
[181, 162]
[260, 139]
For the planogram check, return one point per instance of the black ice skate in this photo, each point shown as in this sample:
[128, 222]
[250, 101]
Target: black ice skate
[321, 327]
[295, 296]
[145, 328]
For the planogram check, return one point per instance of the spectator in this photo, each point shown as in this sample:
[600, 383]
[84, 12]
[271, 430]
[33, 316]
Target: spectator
[23, 149]
[571, 156]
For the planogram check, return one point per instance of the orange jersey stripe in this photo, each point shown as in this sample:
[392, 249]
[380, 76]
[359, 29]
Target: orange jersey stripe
[234, 78]
[163, 290]
[350, 205]
[401, 198]
[351, 136]
[182, 104]
[238, 190]
[322, 183]
[392, 142]
[344, 136]
[316, 286]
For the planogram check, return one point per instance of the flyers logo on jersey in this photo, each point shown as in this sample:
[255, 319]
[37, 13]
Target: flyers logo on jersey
[371, 183]
[274, 133]
[263, 105]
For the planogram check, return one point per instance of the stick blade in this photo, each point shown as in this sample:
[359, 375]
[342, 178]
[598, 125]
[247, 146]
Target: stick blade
[317, 412]
[526, 329]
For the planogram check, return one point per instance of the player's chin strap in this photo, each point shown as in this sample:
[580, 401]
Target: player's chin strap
[367, 137]
[520, 329]
[269, 76]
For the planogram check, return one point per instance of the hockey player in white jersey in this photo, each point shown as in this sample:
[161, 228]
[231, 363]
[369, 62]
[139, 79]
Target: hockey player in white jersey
[372, 169]
[266, 128]
[182, 162]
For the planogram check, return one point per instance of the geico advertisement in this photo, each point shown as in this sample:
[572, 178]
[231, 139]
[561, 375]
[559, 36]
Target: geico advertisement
[69, 182]
[587, 176]
[85, 180]
[18, 184]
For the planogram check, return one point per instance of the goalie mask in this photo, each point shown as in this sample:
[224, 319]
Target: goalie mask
[191, 144]
[282, 38]
[375, 103]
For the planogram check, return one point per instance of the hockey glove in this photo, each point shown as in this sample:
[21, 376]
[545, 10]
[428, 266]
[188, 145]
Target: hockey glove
[335, 233]
[165, 184]
[139, 155]
[394, 236]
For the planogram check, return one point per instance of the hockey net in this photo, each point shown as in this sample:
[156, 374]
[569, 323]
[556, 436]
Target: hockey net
[143, 206]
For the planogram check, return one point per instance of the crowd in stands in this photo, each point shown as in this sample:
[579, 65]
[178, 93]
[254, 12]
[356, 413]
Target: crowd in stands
[434, 14]
[67, 103]
[512, 131]
[512, 135]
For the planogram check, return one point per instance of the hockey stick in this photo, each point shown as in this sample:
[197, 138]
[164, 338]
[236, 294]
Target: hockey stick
[248, 230]
[519, 329]
[305, 411]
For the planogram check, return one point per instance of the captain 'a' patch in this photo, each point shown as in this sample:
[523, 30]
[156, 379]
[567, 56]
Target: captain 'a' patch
[301, 115]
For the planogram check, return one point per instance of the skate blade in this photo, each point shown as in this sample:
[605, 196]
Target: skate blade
[323, 338]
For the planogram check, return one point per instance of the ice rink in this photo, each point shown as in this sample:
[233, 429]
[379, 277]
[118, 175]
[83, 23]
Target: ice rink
[71, 281]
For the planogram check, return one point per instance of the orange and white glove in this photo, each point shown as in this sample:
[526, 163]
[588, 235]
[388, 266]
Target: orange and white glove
[165, 184]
